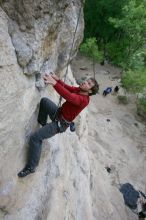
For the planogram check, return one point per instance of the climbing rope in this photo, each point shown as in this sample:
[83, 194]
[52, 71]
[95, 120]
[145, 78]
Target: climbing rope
[69, 59]
[93, 67]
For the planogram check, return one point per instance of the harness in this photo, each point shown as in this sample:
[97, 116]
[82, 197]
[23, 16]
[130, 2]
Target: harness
[62, 123]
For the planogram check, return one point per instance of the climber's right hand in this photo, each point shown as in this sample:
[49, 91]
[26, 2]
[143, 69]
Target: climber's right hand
[54, 76]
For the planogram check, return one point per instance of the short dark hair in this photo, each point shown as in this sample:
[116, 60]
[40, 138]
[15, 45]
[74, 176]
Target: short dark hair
[95, 88]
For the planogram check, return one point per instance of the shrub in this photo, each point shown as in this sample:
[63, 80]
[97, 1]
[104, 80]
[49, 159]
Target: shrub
[141, 107]
[134, 80]
[90, 49]
[116, 54]
[123, 99]
[137, 60]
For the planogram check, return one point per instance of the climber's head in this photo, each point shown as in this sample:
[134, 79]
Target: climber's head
[90, 85]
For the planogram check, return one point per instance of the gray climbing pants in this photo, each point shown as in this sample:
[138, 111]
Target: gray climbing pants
[47, 107]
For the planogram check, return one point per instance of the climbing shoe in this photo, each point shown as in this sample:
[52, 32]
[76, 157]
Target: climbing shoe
[26, 171]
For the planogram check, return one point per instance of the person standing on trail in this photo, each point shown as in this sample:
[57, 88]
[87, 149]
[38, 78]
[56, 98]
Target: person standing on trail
[107, 91]
[77, 98]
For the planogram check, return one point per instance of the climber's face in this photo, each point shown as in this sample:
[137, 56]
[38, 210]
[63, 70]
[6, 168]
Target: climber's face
[87, 85]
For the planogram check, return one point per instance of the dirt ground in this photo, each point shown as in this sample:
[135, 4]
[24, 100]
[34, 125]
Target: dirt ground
[119, 142]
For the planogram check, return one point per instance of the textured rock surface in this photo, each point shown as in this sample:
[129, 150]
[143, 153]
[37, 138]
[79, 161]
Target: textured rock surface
[42, 31]
[71, 182]
[35, 36]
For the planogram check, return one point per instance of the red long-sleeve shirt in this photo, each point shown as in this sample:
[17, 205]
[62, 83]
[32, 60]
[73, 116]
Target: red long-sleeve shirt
[75, 102]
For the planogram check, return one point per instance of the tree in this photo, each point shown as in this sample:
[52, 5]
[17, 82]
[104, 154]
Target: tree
[132, 26]
[97, 13]
[118, 26]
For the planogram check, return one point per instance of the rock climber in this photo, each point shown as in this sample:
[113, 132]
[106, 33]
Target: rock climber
[77, 98]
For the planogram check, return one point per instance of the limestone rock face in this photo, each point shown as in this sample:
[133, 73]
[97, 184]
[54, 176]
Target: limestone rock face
[71, 182]
[42, 32]
[35, 38]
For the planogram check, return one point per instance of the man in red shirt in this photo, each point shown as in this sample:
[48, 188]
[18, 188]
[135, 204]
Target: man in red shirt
[77, 98]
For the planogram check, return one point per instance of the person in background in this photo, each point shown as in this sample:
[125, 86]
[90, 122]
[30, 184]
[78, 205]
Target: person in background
[107, 91]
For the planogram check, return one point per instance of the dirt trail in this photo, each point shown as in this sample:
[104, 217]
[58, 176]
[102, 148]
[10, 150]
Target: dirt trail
[120, 142]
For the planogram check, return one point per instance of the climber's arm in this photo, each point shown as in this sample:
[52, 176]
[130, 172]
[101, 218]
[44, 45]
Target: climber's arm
[67, 95]
[70, 88]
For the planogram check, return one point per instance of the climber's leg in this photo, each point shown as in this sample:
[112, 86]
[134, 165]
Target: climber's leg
[47, 107]
[35, 147]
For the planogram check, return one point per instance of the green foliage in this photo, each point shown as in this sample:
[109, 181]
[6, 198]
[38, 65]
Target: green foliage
[90, 49]
[132, 26]
[137, 61]
[141, 105]
[134, 80]
[119, 28]
[116, 53]
[97, 14]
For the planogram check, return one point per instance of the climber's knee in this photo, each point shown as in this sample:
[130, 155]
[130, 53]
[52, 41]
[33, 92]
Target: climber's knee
[34, 138]
[43, 100]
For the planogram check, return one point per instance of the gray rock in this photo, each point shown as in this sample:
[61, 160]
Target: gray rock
[23, 52]
[42, 32]
[35, 37]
